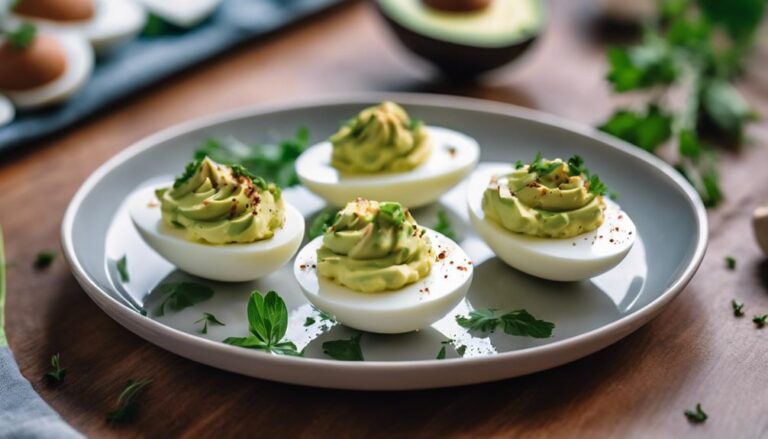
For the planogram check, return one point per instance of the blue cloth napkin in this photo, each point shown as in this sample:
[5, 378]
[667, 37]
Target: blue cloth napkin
[151, 58]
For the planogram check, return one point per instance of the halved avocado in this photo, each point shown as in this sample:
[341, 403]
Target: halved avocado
[461, 42]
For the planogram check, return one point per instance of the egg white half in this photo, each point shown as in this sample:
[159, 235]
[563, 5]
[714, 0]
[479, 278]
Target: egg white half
[410, 308]
[183, 13]
[454, 155]
[79, 56]
[569, 259]
[7, 112]
[228, 263]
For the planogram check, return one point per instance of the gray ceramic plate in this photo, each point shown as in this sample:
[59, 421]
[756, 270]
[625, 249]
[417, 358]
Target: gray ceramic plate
[589, 315]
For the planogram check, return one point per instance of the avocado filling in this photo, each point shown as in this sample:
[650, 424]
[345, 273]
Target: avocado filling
[218, 204]
[544, 199]
[382, 138]
[373, 247]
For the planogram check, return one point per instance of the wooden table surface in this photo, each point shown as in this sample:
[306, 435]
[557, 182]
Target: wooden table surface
[695, 351]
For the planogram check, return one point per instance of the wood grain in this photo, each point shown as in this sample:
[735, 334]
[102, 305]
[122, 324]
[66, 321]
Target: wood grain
[695, 351]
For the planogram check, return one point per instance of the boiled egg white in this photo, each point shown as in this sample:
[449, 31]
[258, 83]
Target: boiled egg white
[182, 13]
[7, 112]
[569, 259]
[229, 262]
[453, 156]
[413, 307]
[113, 23]
[79, 65]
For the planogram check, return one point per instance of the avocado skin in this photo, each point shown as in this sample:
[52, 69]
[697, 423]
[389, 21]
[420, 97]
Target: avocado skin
[458, 61]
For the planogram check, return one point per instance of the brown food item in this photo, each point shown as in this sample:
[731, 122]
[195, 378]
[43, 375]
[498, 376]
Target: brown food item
[56, 10]
[457, 5]
[24, 69]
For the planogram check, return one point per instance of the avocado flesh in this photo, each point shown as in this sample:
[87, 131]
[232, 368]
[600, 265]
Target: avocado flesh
[501, 24]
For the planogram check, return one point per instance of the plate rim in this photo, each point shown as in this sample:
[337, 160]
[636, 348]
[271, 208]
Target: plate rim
[613, 331]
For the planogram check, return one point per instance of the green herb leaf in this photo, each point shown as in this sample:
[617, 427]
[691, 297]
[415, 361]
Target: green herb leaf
[730, 262]
[414, 124]
[127, 408]
[122, 268]
[723, 106]
[647, 130]
[760, 320]
[267, 323]
[208, 318]
[480, 320]
[740, 18]
[444, 225]
[240, 170]
[642, 66]
[180, 295]
[541, 168]
[189, 171]
[22, 37]
[461, 350]
[521, 322]
[696, 416]
[738, 308]
[441, 353]
[519, 164]
[57, 372]
[272, 162]
[44, 259]
[324, 316]
[309, 322]
[321, 222]
[392, 212]
[596, 186]
[576, 166]
[344, 350]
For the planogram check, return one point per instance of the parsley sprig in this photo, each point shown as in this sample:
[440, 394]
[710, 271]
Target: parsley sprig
[127, 407]
[180, 295]
[444, 225]
[44, 259]
[56, 374]
[699, 45]
[696, 416]
[207, 319]
[345, 350]
[517, 322]
[321, 222]
[267, 324]
[737, 307]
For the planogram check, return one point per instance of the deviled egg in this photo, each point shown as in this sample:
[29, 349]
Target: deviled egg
[7, 112]
[104, 23]
[218, 222]
[182, 13]
[549, 218]
[376, 270]
[384, 154]
[38, 69]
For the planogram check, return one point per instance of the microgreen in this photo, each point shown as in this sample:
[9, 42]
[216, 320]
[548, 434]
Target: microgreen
[122, 268]
[127, 407]
[57, 372]
[344, 350]
[44, 259]
[267, 324]
[540, 167]
[738, 308]
[517, 322]
[696, 416]
[207, 319]
[180, 295]
[760, 320]
[444, 225]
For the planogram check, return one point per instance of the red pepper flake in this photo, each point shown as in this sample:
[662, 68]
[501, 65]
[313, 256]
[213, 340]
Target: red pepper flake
[451, 262]
[611, 240]
[445, 276]
[469, 262]
[461, 268]
[621, 216]
[451, 150]
[302, 267]
[441, 255]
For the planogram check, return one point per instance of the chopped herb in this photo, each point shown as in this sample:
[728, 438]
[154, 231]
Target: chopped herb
[517, 322]
[239, 170]
[461, 350]
[272, 162]
[208, 318]
[189, 171]
[321, 222]
[444, 225]
[344, 350]
[738, 308]
[324, 316]
[441, 353]
[122, 268]
[267, 323]
[57, 372]
[696, 416]
[576, 166]
[414, 124]
[596, 186]
[540, 167]
[22, 37]
[180, 295]
[392, 211]
[127, 407]
[309, 322]
[647, 130]
[760, 320]
[730, 262]
[44, 259]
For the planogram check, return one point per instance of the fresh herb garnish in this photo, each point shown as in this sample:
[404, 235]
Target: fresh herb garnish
[444, 225]
[441, 352]
[760, 320]
[444, 346]
[122, 268]
[206, 319]
[414, 124]
[540, 167]
[344, 350]
[273, 162]
[738, 308]
[321, 222]
[240, 170]
[180, 295]
[309, 322]
[324, 316]
[519, 164]
[267, 323]
[22, 37]
[700, 46]
[517, 322]
[696, 416]
[393, 212]
[127, 407]
[44, 259]
[189, 171]
[461, 350]
[57, 372]
[730, 262]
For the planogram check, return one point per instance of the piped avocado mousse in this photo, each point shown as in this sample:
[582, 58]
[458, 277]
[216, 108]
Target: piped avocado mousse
[218, 204]
[382, 138]
[373, 247]
[546, 198]
[465, 37]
